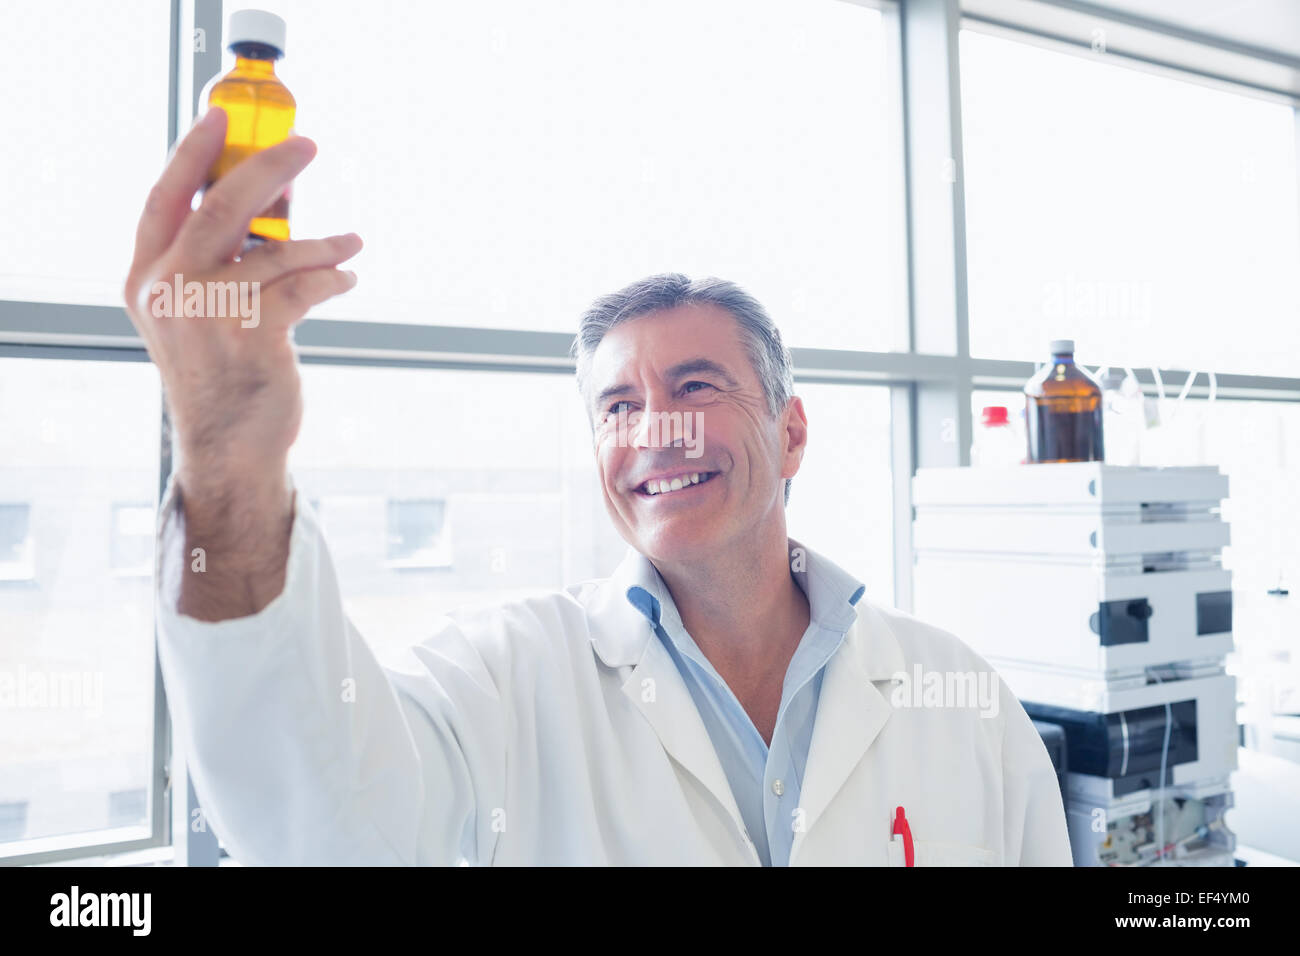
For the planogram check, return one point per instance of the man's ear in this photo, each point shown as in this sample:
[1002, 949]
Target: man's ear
[794, 425]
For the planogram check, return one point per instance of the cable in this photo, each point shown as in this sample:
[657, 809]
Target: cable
[1164, 761]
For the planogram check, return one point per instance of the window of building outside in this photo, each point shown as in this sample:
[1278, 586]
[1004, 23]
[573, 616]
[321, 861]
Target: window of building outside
[1152, 219]
[76, 595]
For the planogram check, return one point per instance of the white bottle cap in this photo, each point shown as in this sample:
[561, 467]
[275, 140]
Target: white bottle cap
[256, 26]
[1062, 346]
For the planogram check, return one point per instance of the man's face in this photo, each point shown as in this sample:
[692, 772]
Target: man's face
[675, 398]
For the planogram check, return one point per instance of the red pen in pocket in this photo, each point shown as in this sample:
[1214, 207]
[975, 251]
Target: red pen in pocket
[902, 827]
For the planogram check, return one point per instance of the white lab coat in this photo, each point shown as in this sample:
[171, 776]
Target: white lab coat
[557, 730]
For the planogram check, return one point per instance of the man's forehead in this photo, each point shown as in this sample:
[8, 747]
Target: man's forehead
[668, 338]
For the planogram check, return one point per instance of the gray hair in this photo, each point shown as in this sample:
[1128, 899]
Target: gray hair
[767, 354]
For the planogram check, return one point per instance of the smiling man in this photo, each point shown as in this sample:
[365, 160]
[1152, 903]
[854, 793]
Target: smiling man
[716, 534]
[726, 696]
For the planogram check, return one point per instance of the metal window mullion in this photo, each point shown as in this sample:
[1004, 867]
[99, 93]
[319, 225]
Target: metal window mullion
[46, 330]
[936, 227]
[193, 842]
[160, 806]
[1164, 28]
[930, 420]
[902, 465]
[1134, 59]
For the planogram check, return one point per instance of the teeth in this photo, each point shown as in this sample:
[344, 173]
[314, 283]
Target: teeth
[656, 486]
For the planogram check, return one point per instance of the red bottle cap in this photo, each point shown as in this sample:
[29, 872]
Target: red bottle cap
[995, 415]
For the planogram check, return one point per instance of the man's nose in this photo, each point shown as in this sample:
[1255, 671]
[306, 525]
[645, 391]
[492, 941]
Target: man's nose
[658, 425]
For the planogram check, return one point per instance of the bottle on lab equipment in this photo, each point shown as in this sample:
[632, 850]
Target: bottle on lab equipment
[1063, 410]
[259, 108]
[997, 442]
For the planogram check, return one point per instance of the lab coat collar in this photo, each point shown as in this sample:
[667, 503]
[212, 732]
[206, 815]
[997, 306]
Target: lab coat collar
[851, 710]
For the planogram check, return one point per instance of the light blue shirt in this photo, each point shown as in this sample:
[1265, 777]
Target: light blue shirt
[766, 782]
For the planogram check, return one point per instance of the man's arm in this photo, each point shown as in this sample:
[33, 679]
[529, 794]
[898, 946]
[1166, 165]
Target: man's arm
[301, 749]
[231, 384]
[243, 537]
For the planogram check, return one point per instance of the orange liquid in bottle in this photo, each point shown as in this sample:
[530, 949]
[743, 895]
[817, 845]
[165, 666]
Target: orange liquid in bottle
[259, 113]
[1063, 412]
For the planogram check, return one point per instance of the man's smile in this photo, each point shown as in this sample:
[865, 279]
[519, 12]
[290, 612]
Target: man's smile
[674, 484]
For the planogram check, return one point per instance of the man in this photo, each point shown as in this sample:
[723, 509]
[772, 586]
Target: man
[726, 697]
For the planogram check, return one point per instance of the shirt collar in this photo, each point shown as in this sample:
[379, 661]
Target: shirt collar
[832, 592]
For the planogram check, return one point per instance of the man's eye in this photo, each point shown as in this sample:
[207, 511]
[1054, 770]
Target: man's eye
[614, 409]
[687, 386]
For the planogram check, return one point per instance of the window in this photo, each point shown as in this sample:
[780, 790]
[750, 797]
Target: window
[127, 807]
[1154, 220]
[510, 455]
[841, 502]
[507, 454]
[1257, 444]
[132, 539]
[13, 821]
[536, 157]
[76, 658]
[83, 73]
[16, 545]
[417, 534]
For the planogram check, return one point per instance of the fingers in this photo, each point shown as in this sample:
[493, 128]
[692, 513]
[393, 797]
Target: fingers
[274, 260]
[212, 234]
[285, 302]
[169, 200]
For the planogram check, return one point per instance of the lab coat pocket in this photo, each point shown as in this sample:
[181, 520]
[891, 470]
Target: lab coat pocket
[928, 853]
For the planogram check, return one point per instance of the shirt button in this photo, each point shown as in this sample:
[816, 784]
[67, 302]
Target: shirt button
[778, 787]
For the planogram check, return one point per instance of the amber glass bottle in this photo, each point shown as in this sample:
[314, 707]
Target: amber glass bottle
[259, 109]
[1063, 410]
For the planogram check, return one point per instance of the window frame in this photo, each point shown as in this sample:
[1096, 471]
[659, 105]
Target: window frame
[930, 381]
[24, 568]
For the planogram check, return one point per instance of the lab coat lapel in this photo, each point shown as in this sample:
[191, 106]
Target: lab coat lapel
[656, 688]
[623, 637]
[851, 712]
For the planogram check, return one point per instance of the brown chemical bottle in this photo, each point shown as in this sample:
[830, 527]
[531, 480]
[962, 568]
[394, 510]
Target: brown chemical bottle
[259, 109]
[1063, 410]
